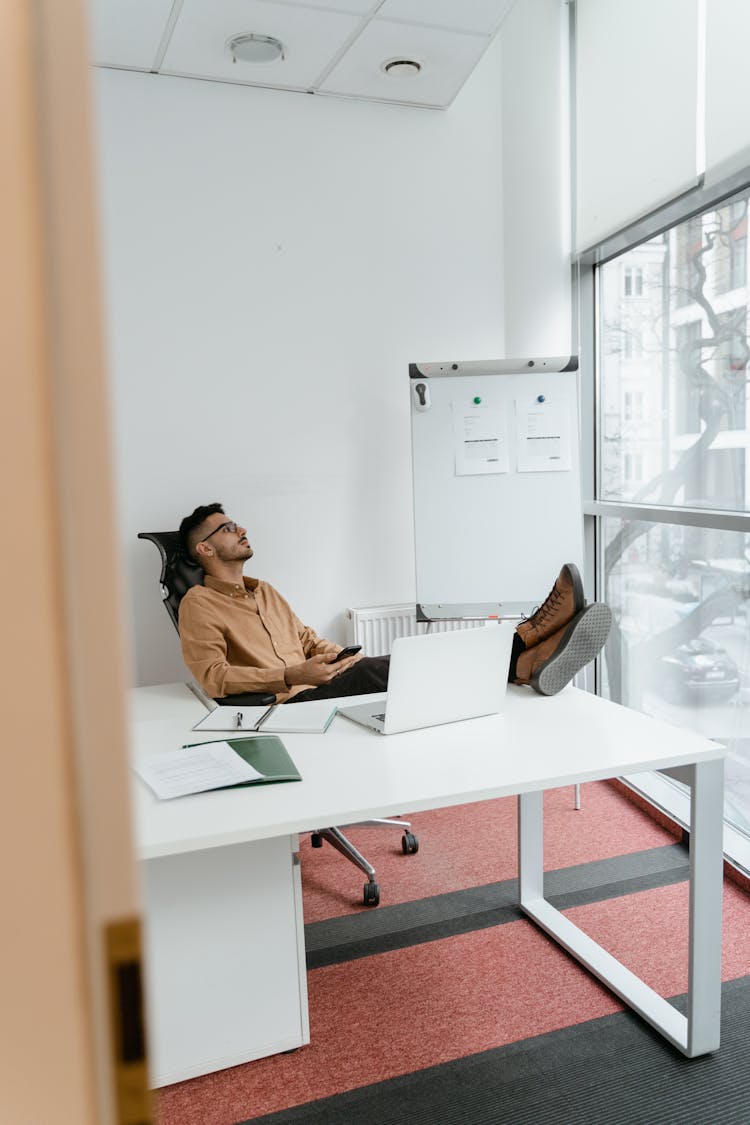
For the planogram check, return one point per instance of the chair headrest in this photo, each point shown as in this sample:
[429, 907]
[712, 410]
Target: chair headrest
[178, 573]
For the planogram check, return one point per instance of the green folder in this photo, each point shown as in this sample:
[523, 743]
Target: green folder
[267, 754]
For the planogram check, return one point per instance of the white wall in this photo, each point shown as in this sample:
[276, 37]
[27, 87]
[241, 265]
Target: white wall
[637, 120]
[273, 263]
[536, 179]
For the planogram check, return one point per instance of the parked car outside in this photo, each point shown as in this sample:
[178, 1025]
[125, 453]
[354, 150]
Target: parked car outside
[698, 669]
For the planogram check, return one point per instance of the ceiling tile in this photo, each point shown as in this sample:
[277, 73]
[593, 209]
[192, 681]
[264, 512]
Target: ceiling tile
[311, 37]
[447, 58]
[127, 32]
[465, 15]
[359, 7]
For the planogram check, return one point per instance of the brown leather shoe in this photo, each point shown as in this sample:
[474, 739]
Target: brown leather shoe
[563, 602]
[549, 666]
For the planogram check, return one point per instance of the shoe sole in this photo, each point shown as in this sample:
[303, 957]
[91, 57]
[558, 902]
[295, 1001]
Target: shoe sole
[583, 639]
[575, 577]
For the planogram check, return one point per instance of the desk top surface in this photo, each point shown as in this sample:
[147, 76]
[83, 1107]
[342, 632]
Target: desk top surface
[351, 773]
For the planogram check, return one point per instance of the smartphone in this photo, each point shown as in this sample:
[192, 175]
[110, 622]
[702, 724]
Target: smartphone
[349, 651]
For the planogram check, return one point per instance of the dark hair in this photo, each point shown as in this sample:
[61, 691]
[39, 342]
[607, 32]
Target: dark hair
[190, 526]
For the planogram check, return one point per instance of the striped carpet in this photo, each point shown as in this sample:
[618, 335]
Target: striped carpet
[445, 1005]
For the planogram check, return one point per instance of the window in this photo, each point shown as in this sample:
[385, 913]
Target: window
[696, 369]
[729, 253]
[633, 281]
[632, 346]
[672, 495]
[684, 392]
[633, 471]
[632, 406]
[688, 239]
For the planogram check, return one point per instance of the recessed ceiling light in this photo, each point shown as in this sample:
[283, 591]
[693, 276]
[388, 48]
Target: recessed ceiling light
[252, 48]
[401, 68]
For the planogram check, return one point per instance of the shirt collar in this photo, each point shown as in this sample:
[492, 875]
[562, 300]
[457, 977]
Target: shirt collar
[228, 588]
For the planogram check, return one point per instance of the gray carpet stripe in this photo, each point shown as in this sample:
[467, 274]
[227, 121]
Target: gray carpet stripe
[411, 923]
[611, 1071]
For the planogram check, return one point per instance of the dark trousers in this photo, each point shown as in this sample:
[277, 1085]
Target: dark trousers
[368, 675]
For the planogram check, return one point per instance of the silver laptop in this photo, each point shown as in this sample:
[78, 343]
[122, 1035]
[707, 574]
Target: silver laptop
[441, 678]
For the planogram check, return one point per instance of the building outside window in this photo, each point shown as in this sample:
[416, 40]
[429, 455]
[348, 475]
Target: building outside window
[729, 230]
[633, 467]
[632, 345]
[672, 438]
[632, 405]
[687, 238]
[633, 281]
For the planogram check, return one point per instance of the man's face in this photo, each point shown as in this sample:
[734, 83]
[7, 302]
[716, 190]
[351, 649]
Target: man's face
[226, 539]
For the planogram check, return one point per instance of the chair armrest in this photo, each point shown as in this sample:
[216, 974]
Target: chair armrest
[247, 699]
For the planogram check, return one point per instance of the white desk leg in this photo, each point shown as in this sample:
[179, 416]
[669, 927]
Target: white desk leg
[698, 1033]
[706, 885]
[530, 847]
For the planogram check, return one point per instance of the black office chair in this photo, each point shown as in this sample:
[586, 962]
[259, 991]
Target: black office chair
[178, 574]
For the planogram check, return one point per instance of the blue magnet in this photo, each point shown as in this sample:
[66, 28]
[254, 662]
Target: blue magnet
[540, 398]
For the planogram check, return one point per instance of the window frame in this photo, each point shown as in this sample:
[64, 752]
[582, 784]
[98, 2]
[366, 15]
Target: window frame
[664, 792]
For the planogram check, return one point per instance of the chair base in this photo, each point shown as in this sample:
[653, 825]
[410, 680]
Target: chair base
[336, 838]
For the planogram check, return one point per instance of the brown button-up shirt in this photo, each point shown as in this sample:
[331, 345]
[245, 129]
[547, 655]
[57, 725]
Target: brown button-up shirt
[243, 638]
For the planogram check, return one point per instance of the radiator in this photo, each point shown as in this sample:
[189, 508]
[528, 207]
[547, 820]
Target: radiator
[376, 627]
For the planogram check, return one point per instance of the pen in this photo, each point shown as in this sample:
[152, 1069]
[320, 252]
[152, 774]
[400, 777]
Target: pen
[238, 719]
[264, 716]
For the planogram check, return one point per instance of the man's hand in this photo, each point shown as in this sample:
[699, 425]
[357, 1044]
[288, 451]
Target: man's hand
[318, 670]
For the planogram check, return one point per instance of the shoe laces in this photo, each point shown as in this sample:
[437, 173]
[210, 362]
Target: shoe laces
[548, 606]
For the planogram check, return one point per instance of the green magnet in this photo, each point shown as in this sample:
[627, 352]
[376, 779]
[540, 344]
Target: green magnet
[477, 400]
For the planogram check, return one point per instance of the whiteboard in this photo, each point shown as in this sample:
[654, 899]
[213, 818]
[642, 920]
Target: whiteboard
[492, 524]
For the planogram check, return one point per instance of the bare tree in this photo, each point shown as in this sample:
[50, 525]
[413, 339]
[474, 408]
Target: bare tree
[720, 395]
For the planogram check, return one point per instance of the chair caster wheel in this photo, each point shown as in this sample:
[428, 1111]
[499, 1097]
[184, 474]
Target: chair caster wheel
[409, 843]
[316, 840]
[372, 894]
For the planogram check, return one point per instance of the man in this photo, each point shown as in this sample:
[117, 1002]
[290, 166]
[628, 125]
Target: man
[239, 635]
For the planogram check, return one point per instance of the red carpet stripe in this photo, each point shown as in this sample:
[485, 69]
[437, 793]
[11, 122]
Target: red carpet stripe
[627, 926]
[472, 845]
[398, 1012]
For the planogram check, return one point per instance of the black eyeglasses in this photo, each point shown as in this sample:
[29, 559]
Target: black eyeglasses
[230, 526]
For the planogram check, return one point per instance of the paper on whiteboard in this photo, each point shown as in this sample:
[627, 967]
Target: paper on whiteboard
[480, 434]
[543, 433]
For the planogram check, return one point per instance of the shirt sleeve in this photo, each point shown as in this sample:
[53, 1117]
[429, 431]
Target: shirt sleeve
[204, 650]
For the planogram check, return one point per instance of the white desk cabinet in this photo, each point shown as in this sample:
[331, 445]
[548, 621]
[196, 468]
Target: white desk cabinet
[226, 981]
[224, 937]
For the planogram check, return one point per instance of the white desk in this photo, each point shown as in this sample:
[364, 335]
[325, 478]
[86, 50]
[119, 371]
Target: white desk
[224, 939]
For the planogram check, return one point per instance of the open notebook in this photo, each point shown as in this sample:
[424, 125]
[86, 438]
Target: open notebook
[312, 717]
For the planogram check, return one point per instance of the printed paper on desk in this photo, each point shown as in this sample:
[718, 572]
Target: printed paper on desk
[194, 769]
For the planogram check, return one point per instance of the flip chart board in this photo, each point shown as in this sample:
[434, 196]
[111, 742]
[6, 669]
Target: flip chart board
[497, 483]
